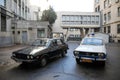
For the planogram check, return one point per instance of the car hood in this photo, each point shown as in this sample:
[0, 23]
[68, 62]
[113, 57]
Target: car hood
[30, 50]
[91, 48]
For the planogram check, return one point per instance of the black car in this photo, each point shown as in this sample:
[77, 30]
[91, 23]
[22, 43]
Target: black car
[41, 50]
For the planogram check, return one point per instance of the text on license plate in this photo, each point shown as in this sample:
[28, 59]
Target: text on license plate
[86, 60]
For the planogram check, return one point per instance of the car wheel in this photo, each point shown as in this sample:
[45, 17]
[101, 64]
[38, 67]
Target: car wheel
[43, 62]
[78, 61]
[63, 53]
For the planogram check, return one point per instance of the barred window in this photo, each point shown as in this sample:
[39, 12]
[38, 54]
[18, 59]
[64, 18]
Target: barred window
[41, 33]
[109, 16]
[119, 11]
[118, 28]
[105, 17]
[3, 23]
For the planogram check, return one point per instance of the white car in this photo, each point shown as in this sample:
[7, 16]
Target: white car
[91, 49]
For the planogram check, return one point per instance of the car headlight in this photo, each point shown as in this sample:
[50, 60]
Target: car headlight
[76, 52]
[101, 54]
[29, 57]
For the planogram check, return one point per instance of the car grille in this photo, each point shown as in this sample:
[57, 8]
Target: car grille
[21, 56]
[88, 54]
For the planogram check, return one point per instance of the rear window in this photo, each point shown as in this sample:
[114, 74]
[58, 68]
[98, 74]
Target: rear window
[92, 41]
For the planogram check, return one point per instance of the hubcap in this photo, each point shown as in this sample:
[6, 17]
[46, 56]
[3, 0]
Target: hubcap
[43, 62]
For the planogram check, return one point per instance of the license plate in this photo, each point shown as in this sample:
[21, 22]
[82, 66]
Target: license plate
[86, 60]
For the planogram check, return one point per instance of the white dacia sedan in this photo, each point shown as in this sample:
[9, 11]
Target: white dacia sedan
[90, 50]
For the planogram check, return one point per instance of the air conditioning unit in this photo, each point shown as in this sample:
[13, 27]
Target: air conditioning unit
[116, 1]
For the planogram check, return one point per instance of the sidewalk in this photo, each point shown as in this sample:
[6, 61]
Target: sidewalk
[2, 49]
[5, 54]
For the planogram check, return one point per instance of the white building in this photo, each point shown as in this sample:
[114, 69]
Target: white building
[110, 12]
[77, 23]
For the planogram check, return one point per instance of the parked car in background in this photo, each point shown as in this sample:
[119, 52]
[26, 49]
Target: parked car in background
[90, 50]
[75, 37]
[41, 51]
[58, 35]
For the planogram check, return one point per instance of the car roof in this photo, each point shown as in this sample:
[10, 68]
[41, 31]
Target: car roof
[47, 38]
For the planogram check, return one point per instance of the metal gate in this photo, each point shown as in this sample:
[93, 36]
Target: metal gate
[24, 37]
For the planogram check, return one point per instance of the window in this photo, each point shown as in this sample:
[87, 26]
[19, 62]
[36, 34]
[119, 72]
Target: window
[104, 29]
[93, 19]
[3, 23]
[92, 41]
[109, 29]
[63, 18]
[80, 18]
[116, 1]
[41, 33]
[71, 18]
[118, 28]
[109, 16]
[97, 19]
[95, 9]
[85, 18]
[105, 3]
[67, 18]
[109, 1]
[89, 19]
[96, 1]
[98, 8]
[119, 11]
[20, 11]
[105, 17]
[59, 42]
[19, 1]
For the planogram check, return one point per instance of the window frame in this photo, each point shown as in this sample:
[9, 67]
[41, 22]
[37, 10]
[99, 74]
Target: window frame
[118, 28]
[118, 11]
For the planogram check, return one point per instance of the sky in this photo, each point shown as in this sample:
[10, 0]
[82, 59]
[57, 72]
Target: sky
[2, 2]
[66, 5]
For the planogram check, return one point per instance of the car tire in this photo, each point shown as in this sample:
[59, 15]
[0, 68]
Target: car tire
[63, 53]
[78, 61]
[43, 62]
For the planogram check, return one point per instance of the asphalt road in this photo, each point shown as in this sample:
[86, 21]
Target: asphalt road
[62, 68]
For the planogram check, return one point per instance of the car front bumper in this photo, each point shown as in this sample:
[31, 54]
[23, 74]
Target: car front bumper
[23, 60]
[86, 59]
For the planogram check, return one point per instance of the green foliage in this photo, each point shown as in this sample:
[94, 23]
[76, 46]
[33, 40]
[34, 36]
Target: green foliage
[49, 15]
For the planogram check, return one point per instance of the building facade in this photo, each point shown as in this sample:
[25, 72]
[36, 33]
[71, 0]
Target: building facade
[10, 12]
[77, 24]
[36, 13]
[28, 31]
[110, 12]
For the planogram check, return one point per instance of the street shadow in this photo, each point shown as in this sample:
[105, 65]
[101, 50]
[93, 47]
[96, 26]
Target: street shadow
[36, 65]
[94, 66]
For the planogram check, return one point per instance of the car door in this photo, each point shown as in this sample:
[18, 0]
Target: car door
[53, 48]
[60, 45]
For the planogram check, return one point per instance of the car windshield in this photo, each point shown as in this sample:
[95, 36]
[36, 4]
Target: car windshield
[39, 42]
[92, 41]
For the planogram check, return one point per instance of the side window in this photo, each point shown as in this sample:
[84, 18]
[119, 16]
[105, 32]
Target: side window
[54, 42]
[59, 42]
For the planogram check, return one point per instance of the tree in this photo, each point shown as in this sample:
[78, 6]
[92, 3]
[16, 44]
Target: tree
[49, 15]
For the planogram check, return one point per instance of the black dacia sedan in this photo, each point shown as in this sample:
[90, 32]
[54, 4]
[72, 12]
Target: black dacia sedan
[41, 50]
